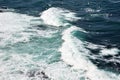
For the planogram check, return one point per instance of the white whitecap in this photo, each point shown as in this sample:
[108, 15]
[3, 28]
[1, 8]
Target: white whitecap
[112, 51]
[91, 10]
[16, 27]
[57, 16]
[73, 52]
[12, 24]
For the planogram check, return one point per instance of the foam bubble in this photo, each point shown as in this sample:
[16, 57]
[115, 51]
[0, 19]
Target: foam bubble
[12, 24]
[60, 71]
[57, 16]
[112, 51]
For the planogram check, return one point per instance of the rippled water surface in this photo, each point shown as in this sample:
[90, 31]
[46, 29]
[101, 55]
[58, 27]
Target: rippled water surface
[59, 40]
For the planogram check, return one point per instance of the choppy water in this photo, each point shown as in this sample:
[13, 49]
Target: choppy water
[60, 40]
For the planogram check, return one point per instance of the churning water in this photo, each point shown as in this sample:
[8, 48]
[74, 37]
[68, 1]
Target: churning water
[59, 40]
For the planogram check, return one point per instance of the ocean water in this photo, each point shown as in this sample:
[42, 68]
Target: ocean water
[59, 39]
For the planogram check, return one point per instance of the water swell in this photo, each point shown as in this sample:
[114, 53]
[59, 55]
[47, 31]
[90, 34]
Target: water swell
[74, 53]
[34, 62]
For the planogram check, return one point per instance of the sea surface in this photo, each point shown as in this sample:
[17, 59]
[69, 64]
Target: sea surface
[59, 39]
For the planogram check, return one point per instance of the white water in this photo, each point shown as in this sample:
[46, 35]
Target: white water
[14, 66]
[58, 16]
[90, 10]
[73, 52]
[112, 51]
[15, 27]
[12, 24]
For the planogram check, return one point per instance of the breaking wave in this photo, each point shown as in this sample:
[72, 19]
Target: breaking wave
[41, 42]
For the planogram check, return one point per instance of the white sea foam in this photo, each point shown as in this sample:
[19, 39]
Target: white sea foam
[112, 51]
[68, 46]
[12, 24]
[60, 71]
[16, 67]
[57, 16]
[15, 27]
[91, 10]
[74, 53]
